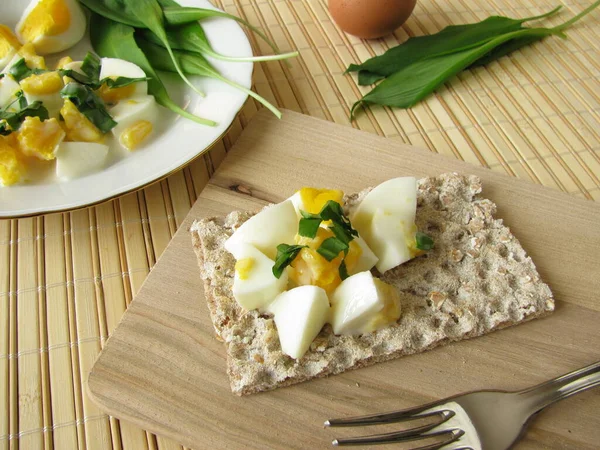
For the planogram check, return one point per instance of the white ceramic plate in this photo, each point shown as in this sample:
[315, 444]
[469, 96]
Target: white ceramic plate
[176, 142]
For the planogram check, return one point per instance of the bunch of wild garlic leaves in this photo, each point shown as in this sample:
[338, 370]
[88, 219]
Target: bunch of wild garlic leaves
[162, 35]
[413, 70]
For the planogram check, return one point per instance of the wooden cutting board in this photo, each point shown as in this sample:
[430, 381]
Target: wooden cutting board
[164, 370]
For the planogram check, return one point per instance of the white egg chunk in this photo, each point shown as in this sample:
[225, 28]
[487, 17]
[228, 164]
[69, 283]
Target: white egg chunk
[136, 119]
[385, 219]
[8, 90]
[300, 314]
[51, 25]
[366, 260]
[254, 285]
[44, 87]
[114, 68]
[9, 45]
[74, 159]
[274, 225]
[363, 304]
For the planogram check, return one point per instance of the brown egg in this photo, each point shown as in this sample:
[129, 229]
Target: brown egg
[369, 19]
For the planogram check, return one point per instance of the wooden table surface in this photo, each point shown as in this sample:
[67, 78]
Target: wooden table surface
[66, 279]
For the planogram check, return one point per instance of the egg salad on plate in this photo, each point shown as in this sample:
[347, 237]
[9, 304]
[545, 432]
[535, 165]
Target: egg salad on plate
[306, 263]
[64, 117]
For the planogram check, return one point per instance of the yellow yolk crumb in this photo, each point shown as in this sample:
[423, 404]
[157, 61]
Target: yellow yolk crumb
[314, 199]
[32, 59]
[11, 166]
[309, 267]
[243, 267]
[40, 139]
[8, 42]
[113, 95]
[48, 18]
[135, 134]
[78, 127]
[42, 84]
[62, 62]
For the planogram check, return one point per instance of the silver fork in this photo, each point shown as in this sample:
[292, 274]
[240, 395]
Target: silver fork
[490, 420]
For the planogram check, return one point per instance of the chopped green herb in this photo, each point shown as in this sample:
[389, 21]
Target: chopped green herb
[331, 247]
[423, 241]
[91, 67]
[90, 105]
[20, 70]
[309, 224]
[22, 100]
[285, 255]
[343, 270]
[11, 121]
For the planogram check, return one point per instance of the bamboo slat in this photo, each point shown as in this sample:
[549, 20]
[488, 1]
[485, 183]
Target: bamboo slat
[66, 279]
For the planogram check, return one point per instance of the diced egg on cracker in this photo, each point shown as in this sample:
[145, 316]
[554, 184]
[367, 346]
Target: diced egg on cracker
[12, 168]
[79, 127]
[9, 44]
[51, 25]
[40, 139]
[44, 87]
[74, 159]
[136, 119]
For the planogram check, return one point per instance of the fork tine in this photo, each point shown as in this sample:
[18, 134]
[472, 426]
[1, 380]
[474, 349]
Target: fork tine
[451, 436]
[392, 417]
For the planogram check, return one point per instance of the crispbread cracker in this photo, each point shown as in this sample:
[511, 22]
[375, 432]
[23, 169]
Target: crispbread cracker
[477, 279]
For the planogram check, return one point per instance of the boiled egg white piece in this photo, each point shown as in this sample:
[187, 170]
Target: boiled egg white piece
[362, 304]
[9, 45]
[114, 68]
[254, 285]
[8, 90]
[44, 87]
[136, 120]
[385, 219]
[299, 315]
[51, 25]
[74, 159]
[274, 225]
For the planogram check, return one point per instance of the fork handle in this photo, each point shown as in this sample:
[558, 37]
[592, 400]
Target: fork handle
[542, 395]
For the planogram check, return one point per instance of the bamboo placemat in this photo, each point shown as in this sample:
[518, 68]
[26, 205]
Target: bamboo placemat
[66, 279]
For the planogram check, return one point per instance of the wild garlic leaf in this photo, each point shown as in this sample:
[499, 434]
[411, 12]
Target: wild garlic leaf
[451, 39]
[20, 70]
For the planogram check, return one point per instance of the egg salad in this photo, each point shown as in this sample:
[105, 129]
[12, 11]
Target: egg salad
[65, 117]
[308, 264]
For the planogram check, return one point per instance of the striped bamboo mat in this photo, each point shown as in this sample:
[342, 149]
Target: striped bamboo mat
[66, 279]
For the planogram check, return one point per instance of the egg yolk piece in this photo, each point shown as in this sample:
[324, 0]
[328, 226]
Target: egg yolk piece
[8, 42]
[48, 18]
[135, 134]
[42, 84]
[11, 166]
[313, 199]
[79, 128]
[40, 139]
[32, 59]
[114, 95]
[310, 267]
[243, 267]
